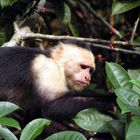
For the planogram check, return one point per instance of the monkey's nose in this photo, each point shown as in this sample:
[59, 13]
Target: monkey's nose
[87, 78]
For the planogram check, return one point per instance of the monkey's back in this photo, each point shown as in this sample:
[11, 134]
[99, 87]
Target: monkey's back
[15, 66]
[16, 78]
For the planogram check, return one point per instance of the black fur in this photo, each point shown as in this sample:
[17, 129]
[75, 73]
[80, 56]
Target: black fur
[15, 64]
[16, 78]
[78, 43]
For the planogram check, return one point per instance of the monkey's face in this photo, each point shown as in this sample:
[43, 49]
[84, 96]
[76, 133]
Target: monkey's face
[77, 63]
[78, 73]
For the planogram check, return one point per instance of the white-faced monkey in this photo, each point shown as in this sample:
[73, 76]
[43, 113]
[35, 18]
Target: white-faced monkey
[45, 82]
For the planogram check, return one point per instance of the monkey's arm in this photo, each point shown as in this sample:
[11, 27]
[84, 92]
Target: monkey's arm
[67, 107]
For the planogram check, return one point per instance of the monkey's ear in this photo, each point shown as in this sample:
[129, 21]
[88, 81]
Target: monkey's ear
[58, 51]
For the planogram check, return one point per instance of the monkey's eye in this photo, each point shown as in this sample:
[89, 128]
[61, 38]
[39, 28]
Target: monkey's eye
[89, 68]
[83, 66]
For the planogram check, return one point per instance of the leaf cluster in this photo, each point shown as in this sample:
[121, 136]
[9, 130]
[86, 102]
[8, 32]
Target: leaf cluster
[126, 86]
[32, 130]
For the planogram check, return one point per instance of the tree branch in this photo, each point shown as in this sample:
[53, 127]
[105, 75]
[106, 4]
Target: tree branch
[101, 19]
[89, 40]
[134, 30]
[25, 33]
[115, 49]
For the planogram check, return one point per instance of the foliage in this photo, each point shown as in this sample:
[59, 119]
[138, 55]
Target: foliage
[4, 3]
[32, 130]
[66, 135]
[66, 17]
[92, 120]
[5, 109]
[121, 6]
[127, 97]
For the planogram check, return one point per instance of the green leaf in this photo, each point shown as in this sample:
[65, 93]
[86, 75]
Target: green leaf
[33, 129]
[66, 135]
[121, 6]
[10, 122]
[73, 29]
[122, 106]
[129, 98]
[4, 3]
[135, 75]
[7, 134]
[6, 108]
[67, 14]
[63, 12]
[91, 120]
[117, 75]
[136, 83]
[116, 128]
[133, 132]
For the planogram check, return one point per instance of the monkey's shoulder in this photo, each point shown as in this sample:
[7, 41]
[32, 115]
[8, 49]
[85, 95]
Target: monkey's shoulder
[20, 50]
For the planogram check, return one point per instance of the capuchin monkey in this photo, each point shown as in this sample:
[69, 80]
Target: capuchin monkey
[45, 84]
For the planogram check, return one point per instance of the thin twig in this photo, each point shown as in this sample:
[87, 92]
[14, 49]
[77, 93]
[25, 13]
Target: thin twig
[134, 30]
[87, 40]
[29, 11]
[90, 40]
[115, 49]
[101, 19]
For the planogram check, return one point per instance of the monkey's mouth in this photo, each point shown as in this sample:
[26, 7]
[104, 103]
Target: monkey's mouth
[82, 83]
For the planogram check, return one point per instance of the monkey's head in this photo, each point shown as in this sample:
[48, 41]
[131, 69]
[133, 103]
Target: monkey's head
[78, 65]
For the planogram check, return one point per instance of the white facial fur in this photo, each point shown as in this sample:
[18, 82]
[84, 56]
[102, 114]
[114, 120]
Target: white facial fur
[49, 77]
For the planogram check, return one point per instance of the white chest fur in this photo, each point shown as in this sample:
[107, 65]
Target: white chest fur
[49, 77]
